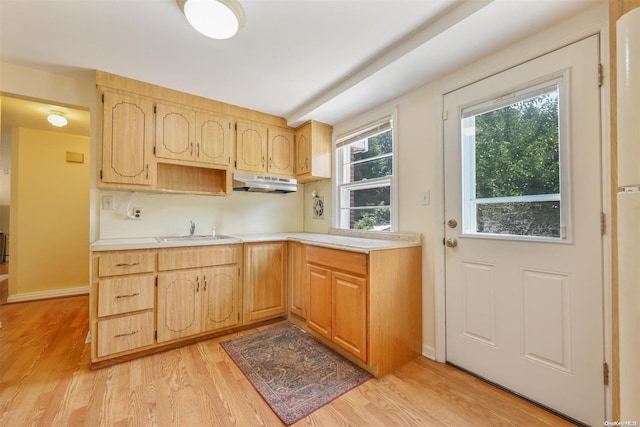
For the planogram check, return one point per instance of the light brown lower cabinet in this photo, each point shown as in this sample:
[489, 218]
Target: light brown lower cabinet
[297, 279]
[265, 281]
[195, 301]
[145, 299]
[367, 305]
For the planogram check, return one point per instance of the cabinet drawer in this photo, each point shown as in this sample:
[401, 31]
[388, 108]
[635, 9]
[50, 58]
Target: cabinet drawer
[124, 294]
[192, 257]
[125, 262]
[125, 333]
[353, 262]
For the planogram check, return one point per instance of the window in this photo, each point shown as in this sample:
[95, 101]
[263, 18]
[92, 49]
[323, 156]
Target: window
[512, 165]
[365, 173]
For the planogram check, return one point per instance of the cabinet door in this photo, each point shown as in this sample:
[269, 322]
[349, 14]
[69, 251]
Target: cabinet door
[221, 297]
[303, 150]
[213, 139]
[127, 140]
[280, 151]
[350, 313]
[179, 304]
[265, 280]
[319, 301]
[174, 132]
[297, 279]
[251, 149]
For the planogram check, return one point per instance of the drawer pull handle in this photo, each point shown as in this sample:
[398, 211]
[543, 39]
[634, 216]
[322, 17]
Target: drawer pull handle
[130, 264]
[135, 294]
[125, 334]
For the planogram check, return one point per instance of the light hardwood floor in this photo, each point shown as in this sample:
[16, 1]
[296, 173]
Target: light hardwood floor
[45, 380]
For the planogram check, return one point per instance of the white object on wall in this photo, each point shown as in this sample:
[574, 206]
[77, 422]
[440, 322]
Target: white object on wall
[628, 63]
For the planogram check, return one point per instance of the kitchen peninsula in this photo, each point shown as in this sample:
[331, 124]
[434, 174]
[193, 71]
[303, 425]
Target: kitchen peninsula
[361, 296]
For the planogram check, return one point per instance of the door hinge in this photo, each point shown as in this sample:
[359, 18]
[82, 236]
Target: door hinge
[444, 115]
[603, 223]
[154, 150]
[100, 174]
[156, 281]
[103, 98]
[235, 126]
[605, 373]
[155, 334]
[238, 315]
[600, 75]
[155, 109]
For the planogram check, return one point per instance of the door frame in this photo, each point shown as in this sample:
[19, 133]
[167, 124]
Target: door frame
[601, 30]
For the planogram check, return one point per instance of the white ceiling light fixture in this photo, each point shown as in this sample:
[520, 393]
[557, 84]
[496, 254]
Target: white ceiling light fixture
[56, 118]
[218, 19]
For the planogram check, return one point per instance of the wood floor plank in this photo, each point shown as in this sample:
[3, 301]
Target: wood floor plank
[46, 380]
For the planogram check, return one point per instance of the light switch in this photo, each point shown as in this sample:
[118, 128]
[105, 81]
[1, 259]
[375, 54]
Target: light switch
[107, 203]
[426, 197]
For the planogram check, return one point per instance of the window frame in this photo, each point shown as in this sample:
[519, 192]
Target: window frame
[341, 188]
[468, 202]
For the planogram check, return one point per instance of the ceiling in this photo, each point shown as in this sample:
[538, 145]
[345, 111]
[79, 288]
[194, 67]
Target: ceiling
[300, 59]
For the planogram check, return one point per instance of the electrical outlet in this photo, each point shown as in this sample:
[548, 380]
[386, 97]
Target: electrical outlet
[137, 213]
[107, 203]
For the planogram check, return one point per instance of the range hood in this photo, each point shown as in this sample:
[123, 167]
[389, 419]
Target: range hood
[263, 184]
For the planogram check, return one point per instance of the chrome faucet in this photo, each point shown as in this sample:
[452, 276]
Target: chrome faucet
[192, 228]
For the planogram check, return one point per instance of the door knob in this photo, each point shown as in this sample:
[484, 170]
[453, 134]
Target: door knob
[452, 223]
[451, 243]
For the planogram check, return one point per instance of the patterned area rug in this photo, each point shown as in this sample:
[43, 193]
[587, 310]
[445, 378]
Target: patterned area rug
[295, 374]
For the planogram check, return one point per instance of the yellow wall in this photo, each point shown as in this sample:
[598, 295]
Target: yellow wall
[49, 213]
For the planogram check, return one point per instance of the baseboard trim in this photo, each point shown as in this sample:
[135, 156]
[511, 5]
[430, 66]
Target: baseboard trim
[429, 352]
[32, 296]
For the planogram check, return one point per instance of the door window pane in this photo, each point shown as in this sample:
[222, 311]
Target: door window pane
[512, 171]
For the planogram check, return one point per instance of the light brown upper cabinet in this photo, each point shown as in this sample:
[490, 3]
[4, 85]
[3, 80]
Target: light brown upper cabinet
[280, 149]
[251, 147]
[264, 149]
[313, 152]
[185, 134]
[127, 140]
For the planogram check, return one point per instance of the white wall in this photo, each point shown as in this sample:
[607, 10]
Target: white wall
[169, 214]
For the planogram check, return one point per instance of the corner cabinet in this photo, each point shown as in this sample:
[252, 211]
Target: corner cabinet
[265, 280]
[313, 152]
[298, 287]
[127, 140]
[367, 306]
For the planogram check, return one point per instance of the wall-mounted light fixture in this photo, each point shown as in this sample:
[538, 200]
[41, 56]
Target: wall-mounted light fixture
[218, 19]
[56, 118]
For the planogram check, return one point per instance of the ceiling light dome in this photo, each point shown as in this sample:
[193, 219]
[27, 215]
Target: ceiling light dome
[56, 118]
[218, 19]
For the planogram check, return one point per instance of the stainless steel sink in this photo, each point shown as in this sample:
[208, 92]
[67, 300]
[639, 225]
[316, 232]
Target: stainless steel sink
[195, 237]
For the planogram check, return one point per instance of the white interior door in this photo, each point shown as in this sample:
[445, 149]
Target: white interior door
[523, 211]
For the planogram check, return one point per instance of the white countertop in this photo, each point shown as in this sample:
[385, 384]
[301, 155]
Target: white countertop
[344, 242]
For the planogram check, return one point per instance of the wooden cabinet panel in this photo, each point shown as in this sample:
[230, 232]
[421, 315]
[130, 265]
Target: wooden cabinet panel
[221, 297]
[298, 279]
[125, 333]
[127, 140]
[350, 313]
[213, 139]
[179, 304]
[320, 301]
[125, 294]
[353, 262]
[174, 132]
[280, 149]
[265, 277]
[191, 257]
[125, 262]
[251, 146]
[313, 152]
